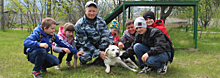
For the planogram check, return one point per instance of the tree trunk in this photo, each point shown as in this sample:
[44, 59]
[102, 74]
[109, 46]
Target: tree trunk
[164, 15]
[2, 14]
[49, 8]
[34, 18]
[206, 24]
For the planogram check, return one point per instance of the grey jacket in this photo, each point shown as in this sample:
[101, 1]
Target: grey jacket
[127, 37]
[58, 49]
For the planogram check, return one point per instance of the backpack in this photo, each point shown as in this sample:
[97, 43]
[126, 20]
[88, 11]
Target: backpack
[39, 40]
[172, 49]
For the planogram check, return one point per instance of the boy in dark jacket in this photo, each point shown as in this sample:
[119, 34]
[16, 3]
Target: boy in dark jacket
[151, 47]
[38, 50]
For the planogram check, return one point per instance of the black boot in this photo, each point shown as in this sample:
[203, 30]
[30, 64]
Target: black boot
[98, 61]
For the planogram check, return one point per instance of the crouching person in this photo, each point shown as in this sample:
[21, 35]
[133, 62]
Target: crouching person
[38, 44]
[66, 33]
[152, 48]
[92, 36]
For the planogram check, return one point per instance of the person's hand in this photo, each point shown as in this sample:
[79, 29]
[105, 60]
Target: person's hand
[43, 45]
[80, 53]
[145, 57]
[66, 50]
[102, 55]
[109, 45]
[120, 45]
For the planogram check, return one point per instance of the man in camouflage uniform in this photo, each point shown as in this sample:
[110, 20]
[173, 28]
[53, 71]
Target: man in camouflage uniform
[92, 35]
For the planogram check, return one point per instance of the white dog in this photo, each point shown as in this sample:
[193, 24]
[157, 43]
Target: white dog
[112, 58]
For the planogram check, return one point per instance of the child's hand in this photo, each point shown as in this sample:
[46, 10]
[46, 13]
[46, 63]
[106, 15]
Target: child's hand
[102, 55]
[109, 45]
[43, 45]
[145, 57]
[66, 50]
[80, 53]
[120, 45]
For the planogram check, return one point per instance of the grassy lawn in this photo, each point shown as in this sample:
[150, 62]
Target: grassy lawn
[188, 62]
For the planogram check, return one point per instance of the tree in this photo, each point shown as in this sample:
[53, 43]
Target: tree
[42, 9]
[48, 8]
[165, 11]
[61, 10]
[2, 14]
[207, 11]
[163, 14]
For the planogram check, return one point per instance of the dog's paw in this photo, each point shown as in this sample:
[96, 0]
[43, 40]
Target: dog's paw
[134, 70]
[107, 71]
[136, 67]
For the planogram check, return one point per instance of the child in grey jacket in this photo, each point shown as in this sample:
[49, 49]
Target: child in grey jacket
[66, 33]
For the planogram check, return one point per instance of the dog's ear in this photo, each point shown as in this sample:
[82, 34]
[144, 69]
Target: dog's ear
[106, 51]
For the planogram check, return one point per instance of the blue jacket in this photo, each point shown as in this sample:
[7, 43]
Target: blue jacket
[32, 43]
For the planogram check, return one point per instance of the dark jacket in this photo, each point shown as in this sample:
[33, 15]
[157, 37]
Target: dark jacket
[154, 39]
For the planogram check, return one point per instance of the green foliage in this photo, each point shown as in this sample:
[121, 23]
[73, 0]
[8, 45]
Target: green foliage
[215, 29]
[207, 9]
[143, 11]
[188, 62]
[184, 12]
[174, 0]
[9, 24]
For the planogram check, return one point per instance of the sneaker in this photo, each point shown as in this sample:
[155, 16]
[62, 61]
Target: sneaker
[145, 70]
[68, 63]
[57, 67]
[43, 70]
[163, 70]
[37, 74]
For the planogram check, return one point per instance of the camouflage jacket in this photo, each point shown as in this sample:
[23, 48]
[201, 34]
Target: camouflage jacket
[92, 37]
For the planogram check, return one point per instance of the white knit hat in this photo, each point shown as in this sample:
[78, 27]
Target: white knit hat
[140, 22]
[90, 3]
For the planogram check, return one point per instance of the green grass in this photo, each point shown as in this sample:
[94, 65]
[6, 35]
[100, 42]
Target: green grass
[188, 62]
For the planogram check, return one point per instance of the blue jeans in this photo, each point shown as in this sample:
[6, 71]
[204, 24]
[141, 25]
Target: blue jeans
[156, 61]
[42, 59]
